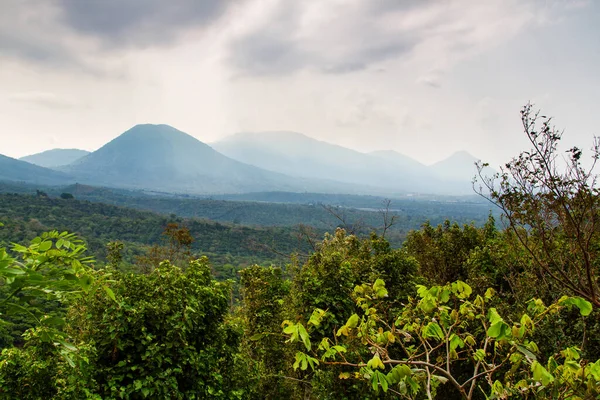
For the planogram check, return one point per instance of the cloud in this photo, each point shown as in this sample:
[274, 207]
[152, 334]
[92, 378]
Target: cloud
[319, 35]
[79, 35]
[28, 31]
[41, 99]
[138, 22]
[341, 37]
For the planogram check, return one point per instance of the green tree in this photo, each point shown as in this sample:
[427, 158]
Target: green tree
[327, 280]
[551, 204]
[264, 292]
[160, 335]
[442, 252]
[425, 349]
[51, 270]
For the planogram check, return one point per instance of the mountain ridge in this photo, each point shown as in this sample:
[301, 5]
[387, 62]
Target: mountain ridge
[55, 157]
[160, 157]
[303, 156]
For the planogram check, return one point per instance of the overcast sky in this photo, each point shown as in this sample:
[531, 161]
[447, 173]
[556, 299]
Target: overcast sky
[424, 78]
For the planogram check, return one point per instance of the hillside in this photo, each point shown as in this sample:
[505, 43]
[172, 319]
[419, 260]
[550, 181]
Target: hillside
[314, 210]
[55, 157]
[160, 157]
[25, 216]
[20, 171]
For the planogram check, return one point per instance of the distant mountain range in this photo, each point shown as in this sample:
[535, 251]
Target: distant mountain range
[21, 171]
[298, 155]
[162, 158]
[55, 157]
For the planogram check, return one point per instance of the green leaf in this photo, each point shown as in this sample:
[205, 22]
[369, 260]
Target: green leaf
[526, 352]
[379, 288]
[45, 245]
[377, 379]
[498, 330]
[67, 346]
[316, 317]
[456, 341]
[375, 362]
[493, 316]
[257, 336]
[110, 293]
[479, 355]
[12, 271]
[433, 330]
[398, 373]
[585, 307]
[352, 321]
[461, 289]
[304, 336]
[541, 374]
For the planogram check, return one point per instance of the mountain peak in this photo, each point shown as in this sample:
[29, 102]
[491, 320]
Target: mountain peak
[462, 155]
[458, 166]
[161, 157]
[153, 129]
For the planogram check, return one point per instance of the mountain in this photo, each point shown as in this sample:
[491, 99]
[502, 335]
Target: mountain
[459, 166]
[55, 157]
[400, 160]
[298, 155]
[21, 171]
[162, 158]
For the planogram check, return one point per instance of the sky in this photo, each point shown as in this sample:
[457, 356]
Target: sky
[423, 77]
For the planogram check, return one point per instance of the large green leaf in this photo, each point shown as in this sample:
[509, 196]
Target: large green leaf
[585, 307]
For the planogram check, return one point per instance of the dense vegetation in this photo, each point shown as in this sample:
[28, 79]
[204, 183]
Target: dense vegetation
[283, 208]
[27, 216]
[465, 312]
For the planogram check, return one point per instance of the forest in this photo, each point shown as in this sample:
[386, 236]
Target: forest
[106, 302]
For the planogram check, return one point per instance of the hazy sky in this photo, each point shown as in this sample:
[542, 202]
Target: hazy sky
[425, 78]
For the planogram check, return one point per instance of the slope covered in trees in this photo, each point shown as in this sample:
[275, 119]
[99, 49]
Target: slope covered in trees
[26, 216]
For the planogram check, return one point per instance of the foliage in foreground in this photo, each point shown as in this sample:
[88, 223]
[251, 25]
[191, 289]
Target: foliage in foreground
[447, 337]
[161, 335]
